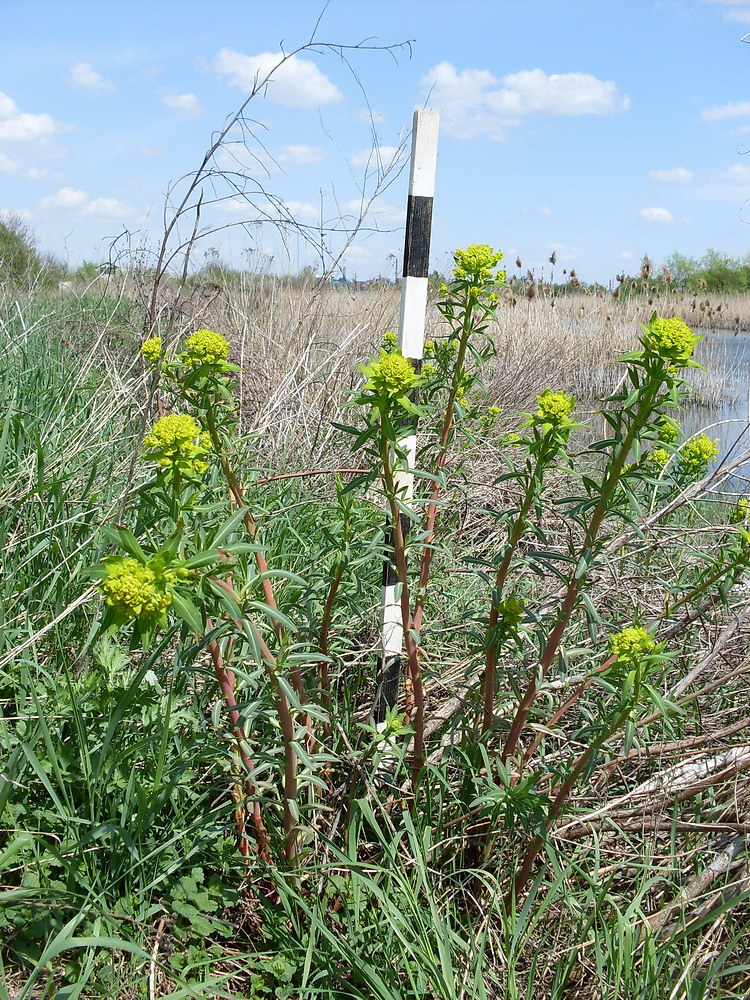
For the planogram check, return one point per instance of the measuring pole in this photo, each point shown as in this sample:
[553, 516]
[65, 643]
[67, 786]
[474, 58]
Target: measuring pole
[424, 142]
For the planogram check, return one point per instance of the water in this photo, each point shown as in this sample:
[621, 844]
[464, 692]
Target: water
[720, 406]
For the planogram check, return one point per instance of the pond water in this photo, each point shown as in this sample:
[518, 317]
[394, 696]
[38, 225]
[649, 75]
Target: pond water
[720, 407]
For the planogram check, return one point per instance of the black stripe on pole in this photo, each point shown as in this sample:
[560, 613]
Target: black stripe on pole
[390, 576]
[386, 694]
[417, 240]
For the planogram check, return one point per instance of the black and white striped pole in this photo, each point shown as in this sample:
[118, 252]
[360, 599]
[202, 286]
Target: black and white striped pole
[411, 344]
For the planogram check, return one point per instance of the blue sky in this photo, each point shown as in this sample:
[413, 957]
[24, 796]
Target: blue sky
[601, 129]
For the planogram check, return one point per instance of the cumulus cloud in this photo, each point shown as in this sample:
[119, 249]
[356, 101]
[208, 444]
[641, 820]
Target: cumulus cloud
[65, 198]
[679, 175]
[301, 211]
[625, 255]
[733, 10]
[740, 109]
[301, 155]
[183, 104]
[7, 165]
[16, 126]
[85, 77]
[377, 157]
[106, 208]
[298, 83]
[473, 101]
[357, 253]
[70, 200]
[739, 173]
[656, 215]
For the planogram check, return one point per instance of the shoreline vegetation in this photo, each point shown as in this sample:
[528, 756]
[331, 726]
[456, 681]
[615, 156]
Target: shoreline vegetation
[194, 801]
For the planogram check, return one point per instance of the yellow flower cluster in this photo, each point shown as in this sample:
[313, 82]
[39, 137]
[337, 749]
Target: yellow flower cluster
[477, 264]
[393, 374]
[631, 643]
[671, 338]
[176, 443]
[740, 511]
[206, 347]
[151, 350]
[697, 454]
[554, 407]
[660, 457]
[490, 418]
[133, 589]
[668, 432]
[390, 340]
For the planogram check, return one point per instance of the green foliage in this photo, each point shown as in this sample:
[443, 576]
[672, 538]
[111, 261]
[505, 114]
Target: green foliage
[713, 272]
[143, 753]
[21, 264]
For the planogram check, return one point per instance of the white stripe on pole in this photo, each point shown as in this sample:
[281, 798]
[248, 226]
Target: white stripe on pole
[411, 343]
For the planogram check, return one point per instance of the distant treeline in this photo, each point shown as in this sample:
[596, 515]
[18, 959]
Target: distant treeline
[713, 272]
[23, 265]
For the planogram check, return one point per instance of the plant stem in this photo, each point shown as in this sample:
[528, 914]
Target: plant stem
[286, 721]
[576, 582]
[403, 578]
[491, 650]
[225, 679]
[325, 627]
[237, 496]
[584, 758]
[430, 521]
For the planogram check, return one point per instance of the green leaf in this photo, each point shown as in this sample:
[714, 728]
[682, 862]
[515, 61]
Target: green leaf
[184, 607]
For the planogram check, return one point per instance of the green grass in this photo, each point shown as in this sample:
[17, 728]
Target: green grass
[117, 853]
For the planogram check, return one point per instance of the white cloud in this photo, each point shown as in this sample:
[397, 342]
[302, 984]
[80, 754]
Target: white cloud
[300, 154]
[7, 165]
[84, 76]
[473, 101]
[16, 126]
[377, 157]
[678, 175]
[625, 255]
[106, 208]
[741, 109]
[301, 211]
[656, 215]
[357, 253]
[733, 10]
[544, 210]
[65, 198]
[69, 200]
[184, 104]
[298, 83]
[738, 173]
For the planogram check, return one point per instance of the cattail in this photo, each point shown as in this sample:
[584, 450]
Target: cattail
[553, 258]
[519, 265]
[574, 282]
[646, 268]
[531, 289]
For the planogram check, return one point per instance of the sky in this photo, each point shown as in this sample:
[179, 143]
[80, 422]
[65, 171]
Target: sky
[598, 129]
